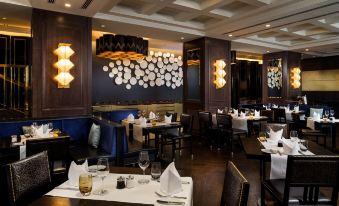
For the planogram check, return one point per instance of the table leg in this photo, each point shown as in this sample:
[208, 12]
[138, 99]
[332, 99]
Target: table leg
[156, 143]
[334, 137]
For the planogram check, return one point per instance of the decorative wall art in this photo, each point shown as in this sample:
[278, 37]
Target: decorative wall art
[274, 78]
[157, 69]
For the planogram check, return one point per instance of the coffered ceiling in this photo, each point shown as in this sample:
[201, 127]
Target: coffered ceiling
[308, 26]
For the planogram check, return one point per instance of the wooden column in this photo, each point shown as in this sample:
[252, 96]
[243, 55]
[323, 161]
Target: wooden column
[48, 30]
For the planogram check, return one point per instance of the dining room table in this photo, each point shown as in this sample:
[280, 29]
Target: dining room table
[140, 195]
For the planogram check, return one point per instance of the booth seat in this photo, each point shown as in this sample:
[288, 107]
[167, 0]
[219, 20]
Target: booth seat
[112, 137]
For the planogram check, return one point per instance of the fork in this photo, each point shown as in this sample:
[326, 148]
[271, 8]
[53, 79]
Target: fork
[161, 195]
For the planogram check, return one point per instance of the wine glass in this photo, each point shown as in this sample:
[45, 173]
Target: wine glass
[293, 135]
[102, 172]
[332, 112]
[143, 164]
[85, 184]
[156, 170]
[303, 144]
[327, 114]
[50, 126]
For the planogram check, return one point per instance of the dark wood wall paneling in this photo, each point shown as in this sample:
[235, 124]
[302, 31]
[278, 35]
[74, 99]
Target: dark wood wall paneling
[48, 30]
[322, 97]
[289, 61]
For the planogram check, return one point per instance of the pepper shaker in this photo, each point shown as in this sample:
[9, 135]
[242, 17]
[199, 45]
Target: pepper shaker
[121, 182]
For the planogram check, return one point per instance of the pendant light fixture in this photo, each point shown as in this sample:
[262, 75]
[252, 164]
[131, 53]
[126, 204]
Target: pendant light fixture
[121, 47]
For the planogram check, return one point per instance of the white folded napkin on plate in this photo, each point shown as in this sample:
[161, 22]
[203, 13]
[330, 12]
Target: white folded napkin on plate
[220, 111]
[130, 117]
[296, 109]
[235, 112]
[151, 115]
[275, 106]
[274, 136]
[75, 171]
[143, 121]
[168, 119]
[287, 109]
[242, 114]
[290, 148]
[256, 113]
[170, 181]
[42, 131]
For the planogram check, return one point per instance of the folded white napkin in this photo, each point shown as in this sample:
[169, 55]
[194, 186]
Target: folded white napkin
[256, 113]
[42, 131]
[274, 137]
[290, 148]
[220, 111]
[143, 121]
[275, 106]
[130, 117]
[168, 119]
[151, 115]
[235, 111]
[75, 171]
[242, 114]
[170, 182]
[287, 109]
[296, 109]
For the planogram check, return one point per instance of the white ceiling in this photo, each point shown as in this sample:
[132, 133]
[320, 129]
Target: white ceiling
[295, 25]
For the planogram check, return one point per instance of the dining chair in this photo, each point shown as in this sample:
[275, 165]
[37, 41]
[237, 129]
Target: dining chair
[279, 115]
[206, 129]
[58, 155]
[267, 113]
[275, 127]
[224, 126]
[174, 115]
[185, 133]
[305, 176]
[236, 187]
[27, 179]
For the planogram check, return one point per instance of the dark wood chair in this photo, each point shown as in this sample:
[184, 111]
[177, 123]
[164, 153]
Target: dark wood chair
[236, 187]
[267, 113]
[279, 115]
[58, 152]
[224, 126]
[185, 133]
[27, 179]
[174, 115]
[305, 176]
[206, 129]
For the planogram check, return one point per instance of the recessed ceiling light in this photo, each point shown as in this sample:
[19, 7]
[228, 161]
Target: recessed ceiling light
[306, 49]
[3, 18]
[182, 38]
[68, 5]
[103, 25]
[267, 51]
[268, 25]
[230, 35]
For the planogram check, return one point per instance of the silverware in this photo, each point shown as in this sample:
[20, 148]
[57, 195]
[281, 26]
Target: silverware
[161, 195]
[182, 182]
[170, 202]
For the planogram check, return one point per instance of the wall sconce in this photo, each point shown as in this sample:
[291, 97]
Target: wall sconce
[295, 77]
[219, 73]
[64, 65]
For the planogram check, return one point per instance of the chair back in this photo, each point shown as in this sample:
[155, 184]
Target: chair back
[28, 179]
[275, 127]
[186, 121]
[312, 172]
[224, 121]
[236, 187]
[174, 115]
[58, 149]
[279, 115]
[205, 123]
[267, 113]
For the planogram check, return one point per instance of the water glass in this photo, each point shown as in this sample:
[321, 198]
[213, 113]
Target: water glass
[50, 126]
[156, 170]
[102, 172]
[143, 164]
[303, 144]
[85, 184]
[293, 135]
[327, 113]
[332, 112]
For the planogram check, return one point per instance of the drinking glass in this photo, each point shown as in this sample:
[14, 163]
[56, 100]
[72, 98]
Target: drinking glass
[293, 135]
[50, 126]
[143, 164]
[327, 113]
[303, 144]
[102, 171]
[332, 112]
[156, 170]
[85, 184]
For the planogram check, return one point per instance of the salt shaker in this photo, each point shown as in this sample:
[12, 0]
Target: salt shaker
[130, 183]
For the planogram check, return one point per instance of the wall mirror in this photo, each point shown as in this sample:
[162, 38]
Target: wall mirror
[193, 74]
[274, 78]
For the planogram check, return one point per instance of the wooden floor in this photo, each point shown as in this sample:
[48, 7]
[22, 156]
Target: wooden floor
[207, 169]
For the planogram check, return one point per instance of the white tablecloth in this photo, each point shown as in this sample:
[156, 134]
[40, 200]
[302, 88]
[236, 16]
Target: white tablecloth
[144, 194]
[310, 122]
[279, 161]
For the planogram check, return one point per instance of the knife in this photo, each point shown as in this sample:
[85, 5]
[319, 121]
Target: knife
[170, 202]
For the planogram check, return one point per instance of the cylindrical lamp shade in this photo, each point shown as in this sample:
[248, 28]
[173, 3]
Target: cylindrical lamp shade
[233, 57]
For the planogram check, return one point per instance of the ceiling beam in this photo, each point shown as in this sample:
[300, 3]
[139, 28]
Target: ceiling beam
[255, 3]
[151, 8]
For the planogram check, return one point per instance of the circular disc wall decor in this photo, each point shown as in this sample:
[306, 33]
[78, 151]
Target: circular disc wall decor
[154, 70]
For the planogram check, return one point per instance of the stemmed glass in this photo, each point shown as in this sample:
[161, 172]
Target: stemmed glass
[50, 126]
[332, 112]
[102, 171]
[327, 114]
[293, 135]
[143, 164]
